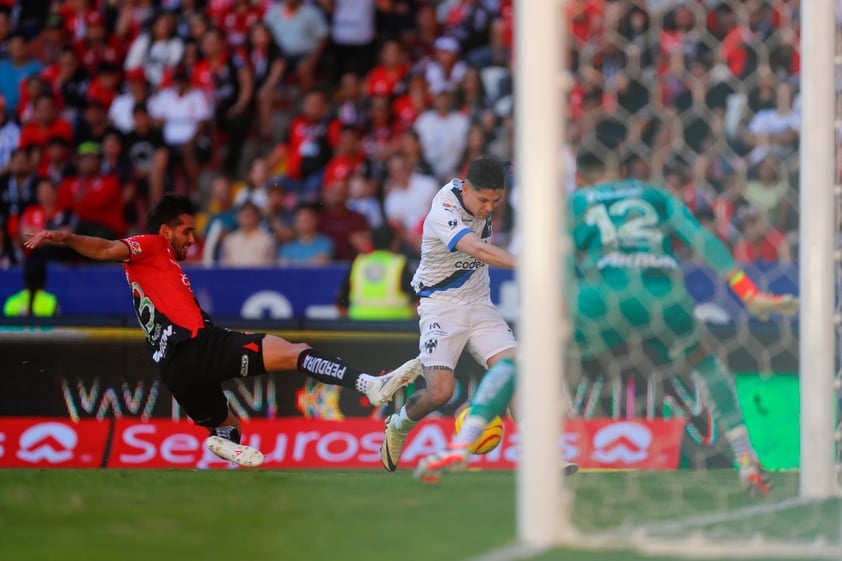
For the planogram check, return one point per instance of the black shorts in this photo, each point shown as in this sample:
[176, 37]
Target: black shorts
[196, 369]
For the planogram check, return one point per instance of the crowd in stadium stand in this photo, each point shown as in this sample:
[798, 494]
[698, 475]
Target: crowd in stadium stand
[299, 126]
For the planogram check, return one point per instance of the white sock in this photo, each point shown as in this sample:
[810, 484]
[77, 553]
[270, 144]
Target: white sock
[362, 382]
[402, 423]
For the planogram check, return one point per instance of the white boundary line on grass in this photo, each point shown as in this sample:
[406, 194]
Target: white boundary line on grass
[719, 518]
[696, 545]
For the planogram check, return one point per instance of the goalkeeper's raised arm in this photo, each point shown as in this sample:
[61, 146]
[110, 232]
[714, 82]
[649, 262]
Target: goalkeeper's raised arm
[716, 255]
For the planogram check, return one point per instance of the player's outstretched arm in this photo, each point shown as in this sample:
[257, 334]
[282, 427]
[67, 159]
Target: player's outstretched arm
[761, 304]
[91, 247]
[489, 254]
[716, 255]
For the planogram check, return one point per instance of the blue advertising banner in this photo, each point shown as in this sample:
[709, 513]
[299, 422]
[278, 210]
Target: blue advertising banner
[286, 293]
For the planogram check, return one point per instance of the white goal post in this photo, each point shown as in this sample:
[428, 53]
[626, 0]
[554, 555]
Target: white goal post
[818, 254]
[539, 134]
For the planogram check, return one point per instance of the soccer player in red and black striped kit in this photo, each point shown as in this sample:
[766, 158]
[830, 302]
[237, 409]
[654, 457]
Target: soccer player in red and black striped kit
[194, 355]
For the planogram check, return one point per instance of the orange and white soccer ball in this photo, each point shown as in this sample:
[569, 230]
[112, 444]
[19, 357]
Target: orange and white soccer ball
[490, 437]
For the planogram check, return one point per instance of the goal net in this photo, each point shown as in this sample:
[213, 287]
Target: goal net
[732, 108]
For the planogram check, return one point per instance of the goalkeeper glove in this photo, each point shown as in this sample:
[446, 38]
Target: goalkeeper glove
[761, 304]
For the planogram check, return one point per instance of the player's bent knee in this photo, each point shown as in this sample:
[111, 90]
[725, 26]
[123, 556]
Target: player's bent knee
[280, 354]
[441, 393]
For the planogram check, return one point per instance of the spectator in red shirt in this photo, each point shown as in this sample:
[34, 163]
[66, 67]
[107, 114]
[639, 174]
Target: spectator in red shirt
[45, 213]
[349, 230]
[308, 147]
[759, 241]
[75, 14]
[238, 20]
[103, 87]
[585, 17]
[96, 199]
[740, 47]
[348, 158]
[721, 20]
[45, 125]
[218, 9]
[385, 77]
[415, 101]
[98, 46]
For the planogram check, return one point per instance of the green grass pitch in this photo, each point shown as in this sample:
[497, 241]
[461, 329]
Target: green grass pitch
[165, 515]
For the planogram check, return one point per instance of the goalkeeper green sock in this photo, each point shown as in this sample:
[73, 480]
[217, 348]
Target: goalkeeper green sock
[490, 400]
[721, 392]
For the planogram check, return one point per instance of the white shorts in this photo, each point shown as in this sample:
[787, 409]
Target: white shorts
[447, 328]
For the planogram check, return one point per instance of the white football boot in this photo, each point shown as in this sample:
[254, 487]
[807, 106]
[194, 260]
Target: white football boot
[240, 454]
[453, 458]
[390, 450]
[381, 389]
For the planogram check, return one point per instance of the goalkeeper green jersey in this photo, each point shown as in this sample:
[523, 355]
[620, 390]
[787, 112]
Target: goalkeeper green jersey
[628, 280]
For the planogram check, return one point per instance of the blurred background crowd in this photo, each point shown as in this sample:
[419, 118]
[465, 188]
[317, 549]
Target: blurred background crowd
[300, 127]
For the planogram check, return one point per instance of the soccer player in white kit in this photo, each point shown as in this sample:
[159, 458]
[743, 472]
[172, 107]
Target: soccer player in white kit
[453, 283]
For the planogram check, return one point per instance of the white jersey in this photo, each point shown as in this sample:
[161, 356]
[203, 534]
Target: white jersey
[445, 273]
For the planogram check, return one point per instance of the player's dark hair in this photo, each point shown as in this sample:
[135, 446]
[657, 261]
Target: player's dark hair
[589, 164]
[588, 159]
[168, 211]
[486, 172]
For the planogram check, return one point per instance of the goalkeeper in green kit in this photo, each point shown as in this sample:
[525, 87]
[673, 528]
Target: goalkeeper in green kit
[628, 285]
